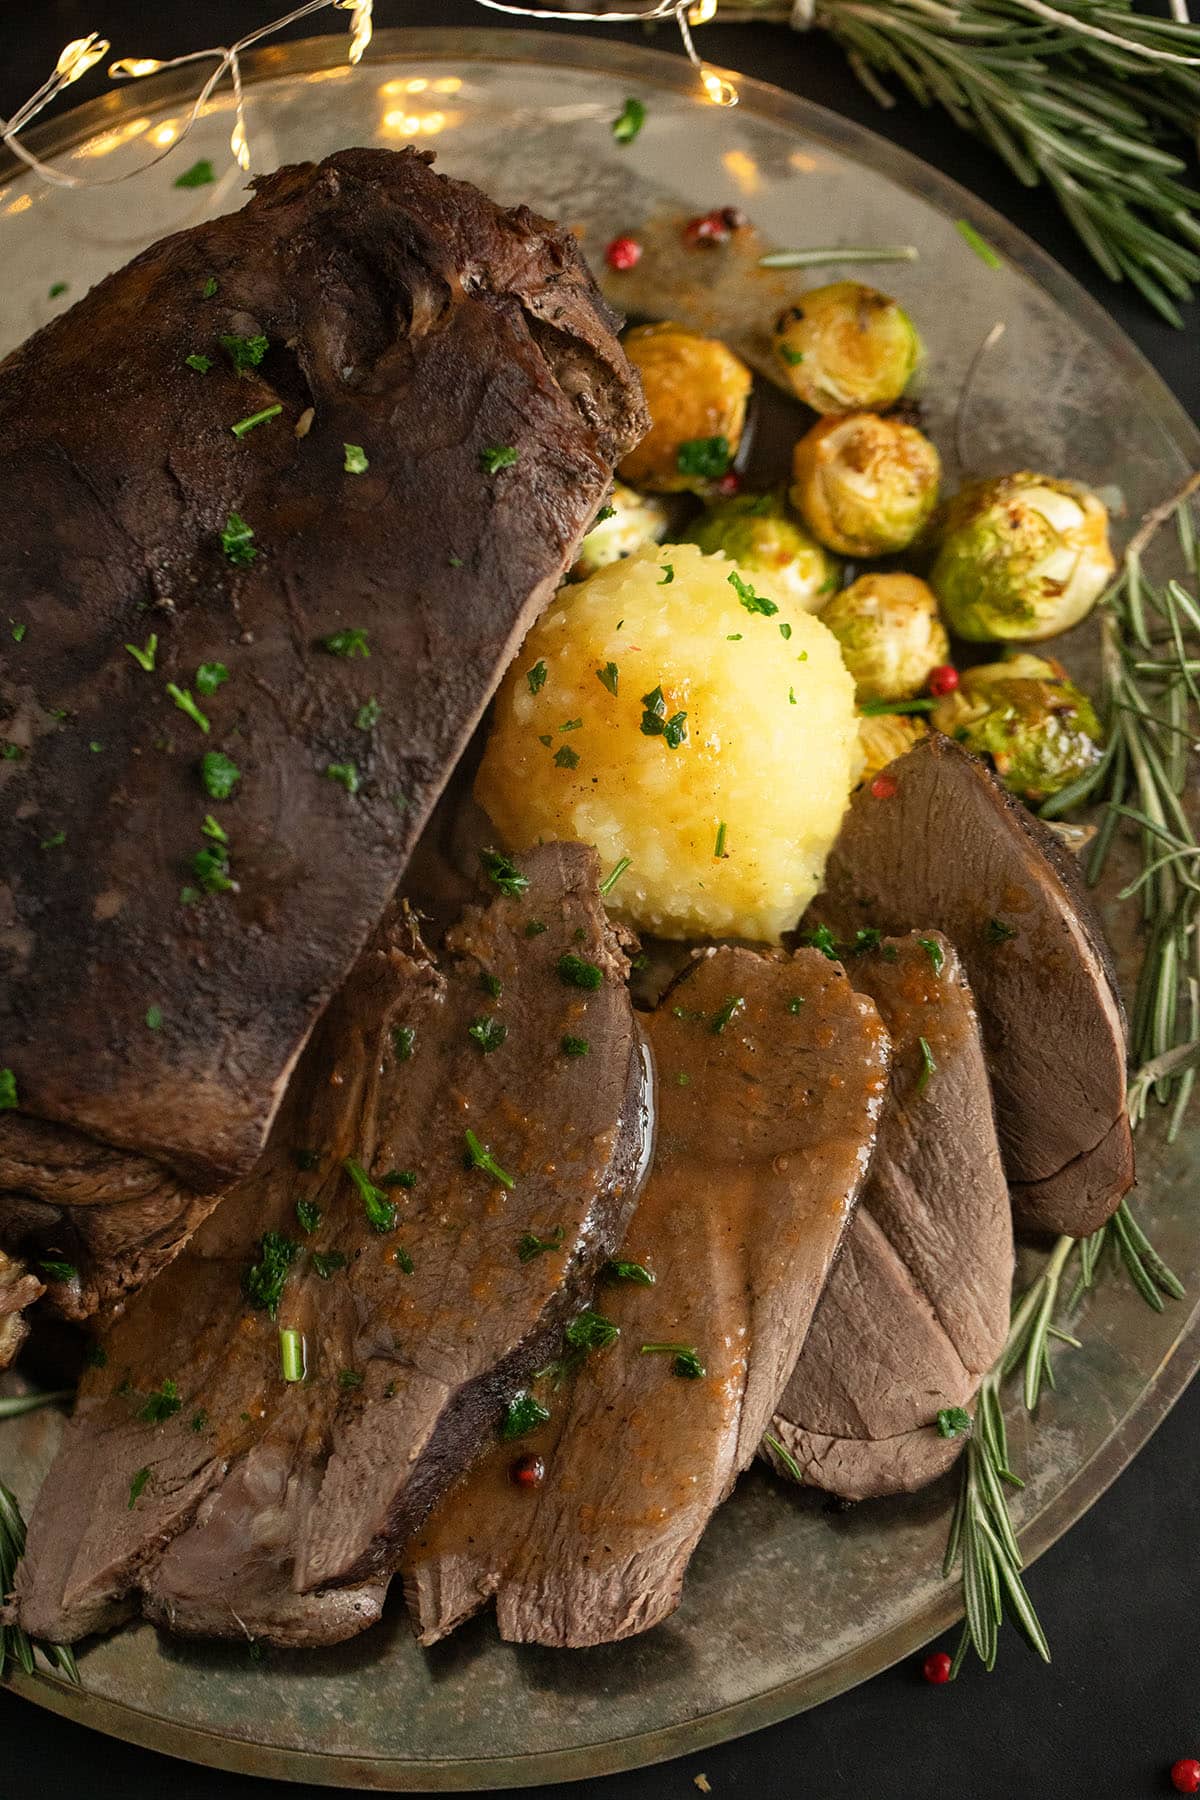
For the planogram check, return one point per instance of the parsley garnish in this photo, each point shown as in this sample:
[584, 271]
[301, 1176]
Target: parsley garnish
[262, 1282]
[953, 1421]
[219, 774]
[57, 1269]
[54, 841]
[535, 928]
[566, 758]
[668, 575]
[614, 875]
[591, 1331]
[212, 830]
[327, 1263]
[201, 364]
[489, 1034]
[998, 932]
[404, 1039]
[198, 1421]
[259, 418]
[496, 457]
[350, 1378]
[209, 288]
[785, 630]
[523, 1414]
[575, 1046]
[724, 1014]
[244, 352]
[137, 1486]
[456, 562]
[237, 541]
[536, 677]
[606, 512]
[12, 753]
[656, 724]
[356, 459]
[629, 120]
[154, 1018]
[199, 175]
[309, 1215]
[368, 715]
[791, 696]
[401, 1178]
[211, 869]
[529, 1245]
[608, 677]
[575, 971]
[628, 1271]
[503, 872]
[350, 642]
[346, 773]
[706, 457]
[183, 700]
[934, 952]
[18, 632]
[491, 984]
[143, 658]
[162, 1404]
[928, 1066]
[822, 939]
[795, 1004]
[719, 846]
[306, 1159]
[753, 603]
[57, 288]
[380, 1211]
[209, 677]
[480, 1157]
[793, 358]
[866, 938]
[403, 1260]
[685, 1362]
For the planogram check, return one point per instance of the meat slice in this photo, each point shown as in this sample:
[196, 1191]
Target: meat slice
[936, 838]
[362, 626]
[275, 1508]
[771, 1075]
[916, 1311]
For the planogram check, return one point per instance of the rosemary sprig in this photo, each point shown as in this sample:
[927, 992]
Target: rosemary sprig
[15, 1644]
[1098, 102]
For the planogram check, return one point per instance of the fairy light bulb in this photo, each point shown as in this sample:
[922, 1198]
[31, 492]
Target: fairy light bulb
[129, 68]
[79, 56]
[238, 144]
[702, 12]
[719, 91]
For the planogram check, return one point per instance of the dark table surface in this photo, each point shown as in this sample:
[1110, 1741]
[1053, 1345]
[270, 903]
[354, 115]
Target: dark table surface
[1119, 1596]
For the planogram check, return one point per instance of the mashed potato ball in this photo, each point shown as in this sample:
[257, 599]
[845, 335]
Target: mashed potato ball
[667, 712]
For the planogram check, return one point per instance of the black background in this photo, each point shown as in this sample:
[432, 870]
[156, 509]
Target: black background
[1119, 1596]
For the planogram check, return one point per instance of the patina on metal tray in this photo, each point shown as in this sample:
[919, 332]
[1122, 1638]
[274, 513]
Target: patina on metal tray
[785, 1603]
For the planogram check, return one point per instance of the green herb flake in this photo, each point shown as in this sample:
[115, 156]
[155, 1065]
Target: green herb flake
[209, 677]
[866, 939]
[144, 658]
[480, 1157]
[491, 984]
[209, 288]
[503, 873]
[237, 541]
[609, 677]
[56, 288]
[496, 457]
[522, 1415]
[793, 358]
[350, 642]
[262, 1281]
[162, 1404]
[785, 631]
[219, 774]
[350, 1378]
[201, 364]
[404, 1042]
[637, 1273]
[57, 1269]
[11, 753]
[489, 1034]
[211, 869]
[368, 715]
[668, 575]
[685, 1362]
[536, 677]
[326, 1263]
[629, 120]
[309, 1215]
[380, 1211]
[456, 562]
[535, 928]
[576, 971]
[403, 1260]
[928, 1066]
[183, 700]
[198, 1421]
[822, 939]
[154, 1018]
[706, 458]
[200, 174]
[614, 875]
[591, 1331]
[934, 952]
[356, 459]
[244, 352]
[753, 603]
[18, 635]
[54, 842]
[530, 1245]
[345, 773]
[998, 932]
[730, 1010]
[306, 1159]
[953, 1421]
[399, 1178]
[978, 244]
[719, 846]
[137, 1486]
[796, 1005]
[213, 830]
[258, 418]
[574, 1046]
[566, 758]
[791, 696]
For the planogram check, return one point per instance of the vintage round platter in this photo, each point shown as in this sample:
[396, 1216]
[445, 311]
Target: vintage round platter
[786, 1603]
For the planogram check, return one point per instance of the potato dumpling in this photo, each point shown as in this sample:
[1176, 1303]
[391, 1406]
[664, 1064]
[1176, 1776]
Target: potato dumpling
[696, 391]
[668, 713]
[845, 347]
[863, 485]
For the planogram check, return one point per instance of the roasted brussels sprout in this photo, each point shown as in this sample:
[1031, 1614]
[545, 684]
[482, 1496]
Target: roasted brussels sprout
[633, 520]
[1038, 728]
[759, 533]
[1021, 556]
[883, 737]
[890, 634]
[863, 485]
[846, 348]
[696, 390]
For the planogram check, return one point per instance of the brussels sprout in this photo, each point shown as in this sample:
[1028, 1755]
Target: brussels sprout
[696, 391]
[1038, 728]
[884, 737]
[846, 347]
[634, 520]
[1021, 556]
[758, 532]
[865, 486]
[890, 634]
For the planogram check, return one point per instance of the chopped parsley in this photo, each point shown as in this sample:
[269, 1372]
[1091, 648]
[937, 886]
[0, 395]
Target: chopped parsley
[356, 459]
[575, 1046]
[346, 773]
[327, 1263]
[306, 1159]
[725, 1013]
[368, 715]
[209, 288]
[12, 753]
[793, 358]
[503, 872]
[953, 1421]
[719, 846]
[162, 1404]
[535, 928]
[201, 364]
[54, 841]
[685, 1362]
[198, 1421]
[350, 642]
[536, 677]
[154, 1018]
[928, 1066]
[609, 677]
[656, 724]
[629, 120]
[638, 1273]
[380, 1211]
[309, 1215]
[529, 1245]
[822, 939]
[219, 773]
[404, 1042]
[209, 677]
[668, 575]
[18, 632]
[480, 1157]
[262, 1282]
[796, 1004]
[183, 700]
[734, 637]
[237, 541]
[143, 658]
[566, 758]
[615, 873]
[57, 288]
[934, 952]
[211, 829]
[199, 175]
[866, 939]
[496, 457]
[707, 457]
[211, 869]
[401, 1178]
[785, 631]
[244, 352]
[523, 1414]
[791, 696]
[753, 603]
[491, 984]
[591, 1331]
[403, 1261]
[58, 1269]
[137, 1486]
[606, 512]
[350, 1378]
[576, 971]
[489, 1034]
[998, 932]
[259, 418]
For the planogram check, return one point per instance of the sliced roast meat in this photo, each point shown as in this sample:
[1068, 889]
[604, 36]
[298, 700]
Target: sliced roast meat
[917, 1309]
[440, 1118]
[331, 635]
[935, 838]
[771, 1074]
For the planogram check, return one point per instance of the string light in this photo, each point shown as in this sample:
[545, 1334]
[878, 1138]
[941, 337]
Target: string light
[84, 53]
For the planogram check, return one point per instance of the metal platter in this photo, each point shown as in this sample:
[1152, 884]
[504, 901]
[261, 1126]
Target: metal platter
[785, 1604]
